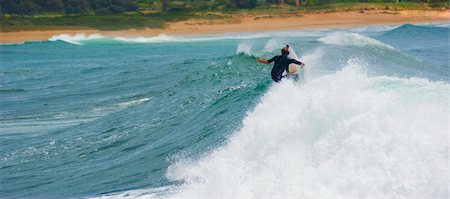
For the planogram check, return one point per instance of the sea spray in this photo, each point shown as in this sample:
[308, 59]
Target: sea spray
[273, 45]
[245, 48]
[344, 135]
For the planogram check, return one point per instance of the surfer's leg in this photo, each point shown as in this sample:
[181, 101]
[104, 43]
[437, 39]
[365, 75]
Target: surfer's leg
[294, 77]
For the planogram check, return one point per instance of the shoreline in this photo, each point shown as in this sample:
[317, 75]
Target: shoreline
[253, 23]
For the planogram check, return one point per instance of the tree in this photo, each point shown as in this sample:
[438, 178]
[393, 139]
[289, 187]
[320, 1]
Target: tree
[51, 5]
[96, 4]
[9, 6]
[131, 6]
[19, 7]
[164, 5]
[116, 9]
[76, 6]
[243, 3]
[126, 5]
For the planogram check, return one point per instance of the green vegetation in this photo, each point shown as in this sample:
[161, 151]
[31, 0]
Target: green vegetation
[19, 15]
[101, 22]
[77, 22]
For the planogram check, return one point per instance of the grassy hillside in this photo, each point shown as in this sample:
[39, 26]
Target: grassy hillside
[149, 18]
[100, 22]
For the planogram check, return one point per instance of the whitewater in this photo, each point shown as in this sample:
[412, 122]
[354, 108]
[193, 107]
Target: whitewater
[90, 116]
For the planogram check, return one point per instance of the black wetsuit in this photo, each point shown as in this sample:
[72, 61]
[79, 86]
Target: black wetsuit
[281, 64]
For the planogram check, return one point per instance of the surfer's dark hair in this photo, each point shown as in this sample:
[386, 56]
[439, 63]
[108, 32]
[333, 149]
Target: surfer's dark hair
[285, 51]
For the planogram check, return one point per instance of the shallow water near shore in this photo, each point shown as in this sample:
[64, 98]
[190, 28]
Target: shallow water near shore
[196, 117]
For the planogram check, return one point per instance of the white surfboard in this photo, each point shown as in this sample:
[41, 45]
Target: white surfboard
[293, 67]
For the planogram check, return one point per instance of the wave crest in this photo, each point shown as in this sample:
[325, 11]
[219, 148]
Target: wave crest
[352, 39]
[342, 135]
[75, 39]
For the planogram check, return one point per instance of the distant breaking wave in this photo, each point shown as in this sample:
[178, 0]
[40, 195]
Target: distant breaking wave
[352, 39]
[80, 39]
[75, 39]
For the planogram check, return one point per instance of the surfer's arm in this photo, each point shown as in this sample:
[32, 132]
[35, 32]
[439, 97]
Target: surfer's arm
[299, 63]
[264, 61]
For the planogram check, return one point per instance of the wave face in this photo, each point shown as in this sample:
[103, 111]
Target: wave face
[197, 117]
[431, 42]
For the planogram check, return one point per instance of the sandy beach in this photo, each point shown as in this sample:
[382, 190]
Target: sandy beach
[255, 23]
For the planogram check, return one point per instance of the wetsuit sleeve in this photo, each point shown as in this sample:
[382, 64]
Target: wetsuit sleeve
[296, 62]
[271, 60]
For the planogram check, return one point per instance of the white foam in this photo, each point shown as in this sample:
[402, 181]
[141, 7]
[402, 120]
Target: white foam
[133, 102]
[164, 38]
[372, 29]
[66, 119]
[352, 39]
[100, 111]
[75, 39]
[245, 48]
[440, 24]
[272, 45]
[161, 38]
[313, 63]
[343, 135]
[9, 44]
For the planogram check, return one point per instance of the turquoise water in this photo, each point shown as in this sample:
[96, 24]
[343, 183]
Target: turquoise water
[197, 117]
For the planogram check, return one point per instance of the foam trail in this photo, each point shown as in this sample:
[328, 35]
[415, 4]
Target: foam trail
[133, 102]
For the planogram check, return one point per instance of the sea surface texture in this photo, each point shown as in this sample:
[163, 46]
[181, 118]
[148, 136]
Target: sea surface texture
[196, 117]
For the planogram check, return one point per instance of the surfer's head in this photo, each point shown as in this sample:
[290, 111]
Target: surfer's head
[285, 51]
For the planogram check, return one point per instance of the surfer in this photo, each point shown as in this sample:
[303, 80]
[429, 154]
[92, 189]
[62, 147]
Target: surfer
[283, 64]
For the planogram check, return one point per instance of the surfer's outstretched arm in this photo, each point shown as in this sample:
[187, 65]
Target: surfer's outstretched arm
[264, 61]
[299, 63]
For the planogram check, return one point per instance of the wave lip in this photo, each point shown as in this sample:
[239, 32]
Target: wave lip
[343, 135]
[352, 39]
[157, 39]
[75, 39]
[164, 38]
[409, 30]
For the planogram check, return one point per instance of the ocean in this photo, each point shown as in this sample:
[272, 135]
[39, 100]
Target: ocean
[196, 117]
